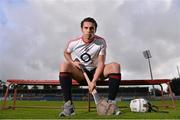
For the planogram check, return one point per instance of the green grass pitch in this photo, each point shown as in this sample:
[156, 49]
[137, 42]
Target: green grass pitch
[39, 113]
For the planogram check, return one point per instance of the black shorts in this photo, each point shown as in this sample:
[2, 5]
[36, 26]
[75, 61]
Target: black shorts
[91, 75]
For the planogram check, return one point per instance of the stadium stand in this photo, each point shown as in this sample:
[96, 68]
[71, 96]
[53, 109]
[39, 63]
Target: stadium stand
[16, 83]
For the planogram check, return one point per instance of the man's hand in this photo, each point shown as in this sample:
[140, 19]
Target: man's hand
[92, 86]
[77, 64]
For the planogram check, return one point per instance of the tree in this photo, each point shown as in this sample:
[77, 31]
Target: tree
[175, 86]
[54, 87]
[35, 87]
[1, 84]
[47, 87]
[22, 87]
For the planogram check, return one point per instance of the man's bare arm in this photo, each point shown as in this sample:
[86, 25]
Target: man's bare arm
[98, 72]
[70, 60]
[100, 68]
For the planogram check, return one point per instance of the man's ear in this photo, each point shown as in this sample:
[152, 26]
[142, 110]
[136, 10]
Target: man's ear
[95, 30]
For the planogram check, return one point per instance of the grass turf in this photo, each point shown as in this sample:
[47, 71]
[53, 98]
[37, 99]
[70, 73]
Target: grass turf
[39, 113]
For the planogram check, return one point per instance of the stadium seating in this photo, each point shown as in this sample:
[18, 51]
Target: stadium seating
[16, 82]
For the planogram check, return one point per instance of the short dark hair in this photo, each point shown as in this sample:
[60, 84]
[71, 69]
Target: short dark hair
[89, 19]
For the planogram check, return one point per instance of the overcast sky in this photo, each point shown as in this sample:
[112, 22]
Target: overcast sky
[33, 35]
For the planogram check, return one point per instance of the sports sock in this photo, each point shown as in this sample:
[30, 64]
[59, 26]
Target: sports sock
[66, 84]
[114, 80]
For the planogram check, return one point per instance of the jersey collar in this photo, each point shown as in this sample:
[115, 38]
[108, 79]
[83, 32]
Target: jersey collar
[88, 42]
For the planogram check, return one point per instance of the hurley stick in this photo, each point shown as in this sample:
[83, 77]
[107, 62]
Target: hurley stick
[94, 92]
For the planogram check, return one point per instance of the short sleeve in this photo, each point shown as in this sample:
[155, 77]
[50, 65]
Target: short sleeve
[69, 47]
[103, 48]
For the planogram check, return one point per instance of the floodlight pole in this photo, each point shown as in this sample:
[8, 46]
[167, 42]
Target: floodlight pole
[151, 75]
[150, 68]
[147, 56]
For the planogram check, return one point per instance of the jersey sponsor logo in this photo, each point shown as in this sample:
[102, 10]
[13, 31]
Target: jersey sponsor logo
[85, 57]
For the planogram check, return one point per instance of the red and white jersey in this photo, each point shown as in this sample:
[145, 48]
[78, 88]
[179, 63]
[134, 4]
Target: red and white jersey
[87, 53]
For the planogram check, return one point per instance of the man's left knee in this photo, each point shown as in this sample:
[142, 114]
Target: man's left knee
[115, 67]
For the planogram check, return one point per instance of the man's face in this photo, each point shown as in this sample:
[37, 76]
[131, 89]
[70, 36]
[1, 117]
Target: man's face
[88, 30]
